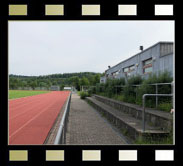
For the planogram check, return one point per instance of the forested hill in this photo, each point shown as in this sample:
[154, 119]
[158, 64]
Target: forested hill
[65, 79]
[64, 75]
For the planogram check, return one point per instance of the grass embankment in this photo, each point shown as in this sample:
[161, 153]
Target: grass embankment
[13, 94]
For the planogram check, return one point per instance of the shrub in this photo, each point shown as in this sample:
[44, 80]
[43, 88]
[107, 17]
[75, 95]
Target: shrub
[99, 87]
[135, 80]
[109, 88]
[93, 90]
[119, 97]
[133, 94]
[165, 107]
[145, 88]
[129, 90]
[83, 95]
[89, 92]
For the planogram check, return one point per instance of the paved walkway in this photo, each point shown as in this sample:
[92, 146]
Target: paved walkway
[87, 126]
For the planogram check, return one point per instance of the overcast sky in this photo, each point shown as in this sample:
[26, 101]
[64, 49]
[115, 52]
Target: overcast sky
[50, 47]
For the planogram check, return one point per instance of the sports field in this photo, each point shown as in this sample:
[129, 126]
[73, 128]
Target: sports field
[13, 94]
[31, 118]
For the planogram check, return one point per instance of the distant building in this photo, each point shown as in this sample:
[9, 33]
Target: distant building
[67, 88]
[103, 79]
[55, 88]
[155, 59]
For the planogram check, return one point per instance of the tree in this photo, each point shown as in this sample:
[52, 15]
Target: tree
[84, 81]
[62, 86]
[75, 82]
[33, 84]
[97, 79]
[67, 79]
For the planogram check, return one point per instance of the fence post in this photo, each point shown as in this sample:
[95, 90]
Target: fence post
[136, 92]
[143, 114]
[172, 86]
[156, 96]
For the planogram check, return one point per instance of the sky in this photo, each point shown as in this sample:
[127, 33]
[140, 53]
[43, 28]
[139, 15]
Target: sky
[51, 47]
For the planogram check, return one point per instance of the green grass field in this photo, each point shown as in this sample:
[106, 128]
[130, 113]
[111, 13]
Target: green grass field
[13, 94]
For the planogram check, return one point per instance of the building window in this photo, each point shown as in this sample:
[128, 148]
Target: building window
[129, 69]
[126, 70]
[115, 74]
[147, 66]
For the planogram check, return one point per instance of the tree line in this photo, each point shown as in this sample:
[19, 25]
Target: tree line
[66, 79]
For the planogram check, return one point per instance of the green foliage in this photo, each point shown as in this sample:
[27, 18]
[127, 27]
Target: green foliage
[84, 81]
[165, 107]
[33, 84]
[66, 79]
[75, 82]
[83, 95]
[61, 86]
[134, 80]
[119, 97]
[130, 91]
[110, 87]
[151, 89]
[165, 141]
[89, 92]
[13, 94]
[133, 94]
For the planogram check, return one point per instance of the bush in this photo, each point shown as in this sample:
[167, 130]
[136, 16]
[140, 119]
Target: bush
[145, 88]
[133, 94]
[89, 92]
[165, 107]
[130, 91]
[93, 90]
[99, 87]
[109, 88]
[119, 97]
[83, 95]
[135, 80]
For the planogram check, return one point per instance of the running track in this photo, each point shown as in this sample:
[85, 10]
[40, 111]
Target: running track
[31, 118]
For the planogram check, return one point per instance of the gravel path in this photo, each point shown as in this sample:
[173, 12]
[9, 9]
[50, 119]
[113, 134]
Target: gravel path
[87, 126]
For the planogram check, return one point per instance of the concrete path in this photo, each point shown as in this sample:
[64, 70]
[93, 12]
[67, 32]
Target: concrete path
[87, 126]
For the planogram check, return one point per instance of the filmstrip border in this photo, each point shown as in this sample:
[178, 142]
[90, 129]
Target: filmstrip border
[90, 10]
[61, 153]
[92, 155]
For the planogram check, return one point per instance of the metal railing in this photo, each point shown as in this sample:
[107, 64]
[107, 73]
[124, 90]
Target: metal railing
[61, 134]
[144, 100]
[156, 90]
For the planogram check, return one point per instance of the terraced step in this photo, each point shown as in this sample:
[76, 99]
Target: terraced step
[129, 126]
[154, 117]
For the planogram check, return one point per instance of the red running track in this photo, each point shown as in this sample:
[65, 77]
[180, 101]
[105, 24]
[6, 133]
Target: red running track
[31, 118]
